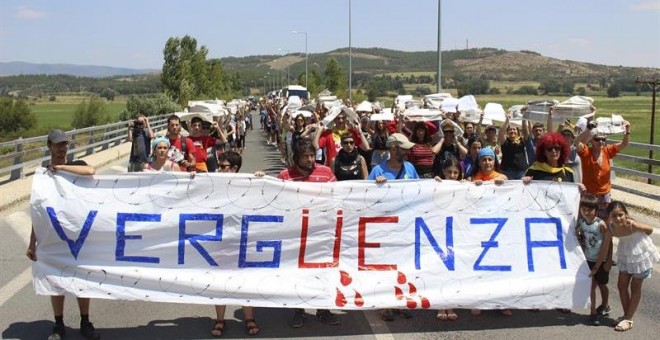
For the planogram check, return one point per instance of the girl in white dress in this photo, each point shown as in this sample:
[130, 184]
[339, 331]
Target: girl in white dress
[636, 255]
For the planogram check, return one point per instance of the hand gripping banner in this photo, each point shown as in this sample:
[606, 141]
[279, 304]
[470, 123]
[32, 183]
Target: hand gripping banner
[242, 240]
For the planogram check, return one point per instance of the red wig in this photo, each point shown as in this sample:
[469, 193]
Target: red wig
[552, 139]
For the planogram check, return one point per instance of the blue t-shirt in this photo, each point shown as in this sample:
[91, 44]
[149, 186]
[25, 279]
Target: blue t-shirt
[382, 170]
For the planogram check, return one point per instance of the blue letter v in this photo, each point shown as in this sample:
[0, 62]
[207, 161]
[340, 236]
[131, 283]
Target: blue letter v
[74, 246]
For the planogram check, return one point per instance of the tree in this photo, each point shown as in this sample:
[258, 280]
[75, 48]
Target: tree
[15, 115]
[108, 94]
[333, 76]
[90, 113]
[614, 90]
[148, 106]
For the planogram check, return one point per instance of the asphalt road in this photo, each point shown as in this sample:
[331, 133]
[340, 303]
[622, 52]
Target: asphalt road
[23, 315]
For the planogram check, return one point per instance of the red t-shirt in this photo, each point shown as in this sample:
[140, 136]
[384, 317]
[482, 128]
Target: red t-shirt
[190, 147]
[321, 173]
[330, 140]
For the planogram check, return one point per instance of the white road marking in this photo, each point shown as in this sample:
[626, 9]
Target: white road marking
[20, 222]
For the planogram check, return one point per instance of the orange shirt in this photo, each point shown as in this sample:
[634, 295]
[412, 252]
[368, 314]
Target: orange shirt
[480, 176]
[595, 177]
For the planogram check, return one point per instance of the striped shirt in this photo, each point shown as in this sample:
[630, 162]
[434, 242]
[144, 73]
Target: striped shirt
[321, 173]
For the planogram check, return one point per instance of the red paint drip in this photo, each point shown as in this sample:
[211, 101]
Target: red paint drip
[398, 292]
[359, 301]
[426, 304]
[340, 300]
[401, 278]
[410, 303]
[412, 289]
[345, 278]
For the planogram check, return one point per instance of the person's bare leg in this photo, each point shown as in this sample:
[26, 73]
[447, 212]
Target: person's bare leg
[635, 297]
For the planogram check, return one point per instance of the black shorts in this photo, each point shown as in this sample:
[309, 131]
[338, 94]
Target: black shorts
[602, 276]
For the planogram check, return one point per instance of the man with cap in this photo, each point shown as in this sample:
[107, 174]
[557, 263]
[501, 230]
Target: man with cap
[396, 167]
[58, 145]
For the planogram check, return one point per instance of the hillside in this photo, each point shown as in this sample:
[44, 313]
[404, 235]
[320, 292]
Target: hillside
[488, 63]
[15, 68]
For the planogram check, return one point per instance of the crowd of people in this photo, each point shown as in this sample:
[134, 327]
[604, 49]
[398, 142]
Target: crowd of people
[324, 144]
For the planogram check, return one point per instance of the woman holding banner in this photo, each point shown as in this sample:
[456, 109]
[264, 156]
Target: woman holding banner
[552, 151]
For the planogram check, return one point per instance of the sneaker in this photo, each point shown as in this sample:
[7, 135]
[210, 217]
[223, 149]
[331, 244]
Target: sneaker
[58, 333]
[603, 310]
[298, 319]
[326, 317]
[594, 319]
[87, 330]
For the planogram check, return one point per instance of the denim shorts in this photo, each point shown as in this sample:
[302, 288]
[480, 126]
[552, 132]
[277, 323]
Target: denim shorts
[643, 275]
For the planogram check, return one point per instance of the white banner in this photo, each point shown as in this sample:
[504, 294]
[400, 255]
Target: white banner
[241, 240]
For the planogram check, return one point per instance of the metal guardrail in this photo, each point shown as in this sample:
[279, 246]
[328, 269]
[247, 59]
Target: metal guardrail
[637, 159]
[32, 152]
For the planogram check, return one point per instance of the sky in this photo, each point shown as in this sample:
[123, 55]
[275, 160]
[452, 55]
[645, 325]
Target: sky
[132, 33]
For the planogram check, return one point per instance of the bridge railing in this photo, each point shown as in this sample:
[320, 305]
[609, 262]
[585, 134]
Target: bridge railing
[19, 157]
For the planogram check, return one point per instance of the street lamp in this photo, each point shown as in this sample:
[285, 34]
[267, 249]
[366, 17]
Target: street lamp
[439, 85]
[350, 57]
[305, 33]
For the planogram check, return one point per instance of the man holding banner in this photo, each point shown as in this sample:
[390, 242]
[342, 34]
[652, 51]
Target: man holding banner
[58, 145]
[305, 169]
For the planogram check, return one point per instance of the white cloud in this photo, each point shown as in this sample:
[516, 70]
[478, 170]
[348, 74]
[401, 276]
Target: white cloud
[27, 13]
[646, 6]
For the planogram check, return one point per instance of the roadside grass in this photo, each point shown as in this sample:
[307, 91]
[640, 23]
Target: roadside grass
[60, 114]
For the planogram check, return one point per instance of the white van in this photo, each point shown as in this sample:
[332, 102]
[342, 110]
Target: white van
[295, 90]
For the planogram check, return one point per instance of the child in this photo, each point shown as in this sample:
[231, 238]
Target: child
[635, 257]
[595, 241]
[451, 170]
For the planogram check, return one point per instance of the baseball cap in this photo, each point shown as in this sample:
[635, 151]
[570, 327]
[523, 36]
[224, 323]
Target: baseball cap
[57, 136]
[399, 140]
[567, 130]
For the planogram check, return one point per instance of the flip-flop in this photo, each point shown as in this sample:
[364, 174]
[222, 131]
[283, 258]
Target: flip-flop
[624, 325]
[442, 315]
[251, 327]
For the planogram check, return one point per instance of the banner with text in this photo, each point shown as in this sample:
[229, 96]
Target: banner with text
[242, 240]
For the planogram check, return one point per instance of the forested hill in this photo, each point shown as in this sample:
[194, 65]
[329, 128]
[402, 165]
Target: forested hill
[487, 63]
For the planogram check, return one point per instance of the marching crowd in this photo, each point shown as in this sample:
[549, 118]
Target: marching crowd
[317, 143]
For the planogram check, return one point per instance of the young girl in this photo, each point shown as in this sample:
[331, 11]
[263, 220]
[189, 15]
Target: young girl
[636, 255]
[451, 170]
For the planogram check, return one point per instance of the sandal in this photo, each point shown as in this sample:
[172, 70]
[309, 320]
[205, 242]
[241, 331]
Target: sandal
[218, 328]
[442, 315]
[251, 327]
[505, 312]
[475, 312]
[451, 316]
[624, 325]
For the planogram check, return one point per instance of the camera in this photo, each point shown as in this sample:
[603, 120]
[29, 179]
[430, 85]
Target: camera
[136, 122]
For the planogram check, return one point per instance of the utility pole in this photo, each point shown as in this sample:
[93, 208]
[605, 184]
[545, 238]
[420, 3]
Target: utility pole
[350, 57]
[654, 87]
[439, 85]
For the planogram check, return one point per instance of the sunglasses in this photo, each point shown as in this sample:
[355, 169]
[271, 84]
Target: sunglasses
[600, 139]
[553, 148]
[448, 131]
[224, 166]
[348, 142]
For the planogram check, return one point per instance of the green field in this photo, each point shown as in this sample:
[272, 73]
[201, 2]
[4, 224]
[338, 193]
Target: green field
[60, 115]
